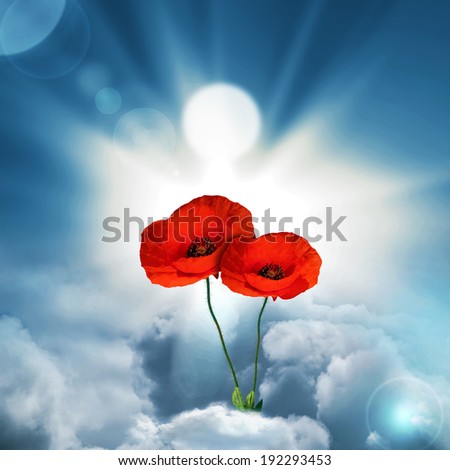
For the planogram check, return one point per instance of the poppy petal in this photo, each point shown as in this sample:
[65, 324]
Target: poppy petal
[165, 243]
[298, 263]
[200, 264]
[268, 285]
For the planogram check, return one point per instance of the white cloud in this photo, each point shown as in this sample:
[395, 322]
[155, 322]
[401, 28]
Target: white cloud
[68, 398]
[316, 341]
[217, 427]
[375, 441]
[143, 435]
[349, 382]
[341, 363]
[335, 360]
[32, 387]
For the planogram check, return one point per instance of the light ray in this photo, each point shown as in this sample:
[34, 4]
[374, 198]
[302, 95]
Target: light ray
[294, 60]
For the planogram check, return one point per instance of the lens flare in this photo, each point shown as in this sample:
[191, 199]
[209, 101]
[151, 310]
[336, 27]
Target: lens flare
[55, 47]
[108, 100]
[146, 136]
[404, 413]
[26, 24]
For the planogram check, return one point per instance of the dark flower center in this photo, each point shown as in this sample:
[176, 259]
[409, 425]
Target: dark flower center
[272, 271]
[201, 247]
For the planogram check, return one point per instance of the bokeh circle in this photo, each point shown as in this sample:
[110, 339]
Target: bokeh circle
[404, 413]
[108, 100]
[45, 39]
[147, 136]
[25, 24]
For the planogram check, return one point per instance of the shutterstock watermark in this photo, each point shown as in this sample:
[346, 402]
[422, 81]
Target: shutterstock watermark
[187, 227]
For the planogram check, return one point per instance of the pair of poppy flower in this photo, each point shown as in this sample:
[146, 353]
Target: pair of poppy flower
[212, 234]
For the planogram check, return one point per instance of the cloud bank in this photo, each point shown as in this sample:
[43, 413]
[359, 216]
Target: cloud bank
[218, 427]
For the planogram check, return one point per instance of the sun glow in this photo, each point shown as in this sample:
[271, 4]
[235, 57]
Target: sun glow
[221, 121]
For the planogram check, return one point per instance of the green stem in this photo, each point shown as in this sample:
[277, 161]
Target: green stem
[258, 344]
[233, 373]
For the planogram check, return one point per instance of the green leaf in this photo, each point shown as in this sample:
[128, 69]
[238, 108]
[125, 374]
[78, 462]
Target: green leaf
[259, 406]
[250, 400]
[237, 400]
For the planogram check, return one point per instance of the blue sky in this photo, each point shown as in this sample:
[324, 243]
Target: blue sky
[354, 110]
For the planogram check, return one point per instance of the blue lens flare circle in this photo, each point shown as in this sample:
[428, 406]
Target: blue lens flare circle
[404, 413]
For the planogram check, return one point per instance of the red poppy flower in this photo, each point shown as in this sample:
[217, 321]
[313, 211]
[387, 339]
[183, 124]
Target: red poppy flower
[188, 246]
[274, 265]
